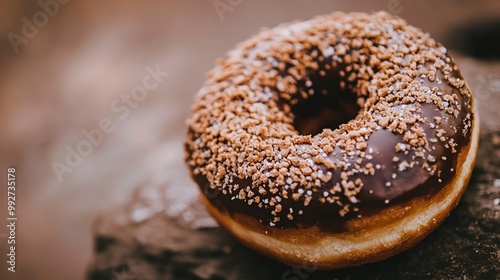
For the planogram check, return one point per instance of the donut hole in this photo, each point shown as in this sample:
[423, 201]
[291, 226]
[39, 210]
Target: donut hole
[328, 107]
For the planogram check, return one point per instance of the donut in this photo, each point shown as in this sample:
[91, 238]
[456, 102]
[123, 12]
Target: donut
[333, 142]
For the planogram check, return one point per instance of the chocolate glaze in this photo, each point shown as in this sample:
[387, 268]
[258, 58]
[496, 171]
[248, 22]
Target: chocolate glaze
[397, 175]
[408, 184]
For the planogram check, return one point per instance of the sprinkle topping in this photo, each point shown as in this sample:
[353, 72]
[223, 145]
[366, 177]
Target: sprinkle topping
[413, 115]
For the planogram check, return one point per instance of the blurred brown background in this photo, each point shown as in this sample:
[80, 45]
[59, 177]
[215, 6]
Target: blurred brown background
[67, 74]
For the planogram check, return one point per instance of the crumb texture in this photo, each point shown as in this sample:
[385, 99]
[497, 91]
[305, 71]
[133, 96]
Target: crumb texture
[244, 139]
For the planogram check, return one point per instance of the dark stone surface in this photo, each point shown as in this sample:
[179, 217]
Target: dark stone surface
[164, 232]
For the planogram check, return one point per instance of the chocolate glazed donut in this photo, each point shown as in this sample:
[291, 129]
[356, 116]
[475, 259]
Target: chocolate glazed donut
[336, 141]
